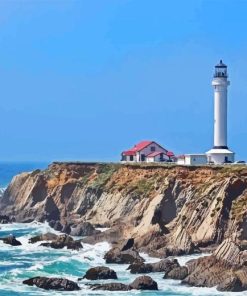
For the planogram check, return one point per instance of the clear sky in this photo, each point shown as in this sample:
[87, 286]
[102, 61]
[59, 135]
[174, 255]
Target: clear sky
[86, 79]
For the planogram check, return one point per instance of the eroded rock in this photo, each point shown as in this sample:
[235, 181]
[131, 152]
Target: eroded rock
[177, 273]
[84, 229]
[60, 284]
[100, 273]
[123, 257]
[162, 266]
[11, 240]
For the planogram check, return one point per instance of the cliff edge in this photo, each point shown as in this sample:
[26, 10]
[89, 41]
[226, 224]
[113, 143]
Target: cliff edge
[168, 209]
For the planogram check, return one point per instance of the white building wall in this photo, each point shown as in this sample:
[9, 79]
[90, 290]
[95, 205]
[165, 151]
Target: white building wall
[147, 150]
[150, 159]
[193, 159]
[128, 158]
[220, 158]
[181, 161]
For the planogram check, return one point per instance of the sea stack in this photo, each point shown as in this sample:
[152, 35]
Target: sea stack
[220, 153]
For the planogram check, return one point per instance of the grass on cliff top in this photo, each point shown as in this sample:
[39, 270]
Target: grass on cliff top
[104, 173]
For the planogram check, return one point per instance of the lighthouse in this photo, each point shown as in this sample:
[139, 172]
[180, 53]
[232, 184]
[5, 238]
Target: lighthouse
[220, 153]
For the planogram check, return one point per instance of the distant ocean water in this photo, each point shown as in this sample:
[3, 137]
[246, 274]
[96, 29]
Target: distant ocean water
[29, 260]
[9, 169]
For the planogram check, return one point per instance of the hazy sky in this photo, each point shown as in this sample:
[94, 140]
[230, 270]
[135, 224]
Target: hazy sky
[86, 79]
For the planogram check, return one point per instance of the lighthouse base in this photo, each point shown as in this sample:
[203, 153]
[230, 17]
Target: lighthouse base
[220, 156]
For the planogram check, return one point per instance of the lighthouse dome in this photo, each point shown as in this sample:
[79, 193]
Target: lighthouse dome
[221, 65]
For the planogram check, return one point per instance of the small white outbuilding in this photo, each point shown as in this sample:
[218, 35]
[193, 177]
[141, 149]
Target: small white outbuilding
[192, 159]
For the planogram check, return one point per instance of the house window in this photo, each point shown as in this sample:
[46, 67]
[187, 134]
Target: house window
[152, 148]
[131, 157]
[143, 157]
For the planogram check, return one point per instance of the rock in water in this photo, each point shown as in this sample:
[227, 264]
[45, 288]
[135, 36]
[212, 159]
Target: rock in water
[4, 219]
[84, 229]
[144, 283]
[52, 284]
[111, 287]
[123, 257]
[11, 240]
[231, 284]
[100, 273]
[165, 265]
[57, 241]
[178, 273]
[140, 283]
[63, 241]
[43, 237]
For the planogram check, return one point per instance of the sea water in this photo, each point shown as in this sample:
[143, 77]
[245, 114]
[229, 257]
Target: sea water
[30, 260]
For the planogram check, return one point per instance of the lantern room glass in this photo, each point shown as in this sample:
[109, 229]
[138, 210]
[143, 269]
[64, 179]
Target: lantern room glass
[220, 72]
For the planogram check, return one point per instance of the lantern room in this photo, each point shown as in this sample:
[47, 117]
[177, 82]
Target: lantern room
[220, 70]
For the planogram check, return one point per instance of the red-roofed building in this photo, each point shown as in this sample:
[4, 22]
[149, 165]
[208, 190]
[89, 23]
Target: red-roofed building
[148, 151]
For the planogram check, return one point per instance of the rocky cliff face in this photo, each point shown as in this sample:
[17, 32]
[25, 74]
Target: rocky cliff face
[170, 209]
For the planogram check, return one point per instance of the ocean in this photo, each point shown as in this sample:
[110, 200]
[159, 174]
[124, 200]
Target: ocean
[29, 260]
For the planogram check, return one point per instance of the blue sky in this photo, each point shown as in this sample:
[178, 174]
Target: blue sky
[86, 79]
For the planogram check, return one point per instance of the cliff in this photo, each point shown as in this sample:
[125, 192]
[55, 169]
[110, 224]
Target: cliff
[168, 209]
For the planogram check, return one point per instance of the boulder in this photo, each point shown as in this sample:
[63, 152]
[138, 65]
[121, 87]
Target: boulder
[140, 283]
[177, 273]
[63, 241]
[165, 265]
[11, 240]
[111, 287]
[123, 257]
[84, 229]
[43, 237]
[144, 283]
[100, 273]
[60, 284]
[4, 219]
[230, 284]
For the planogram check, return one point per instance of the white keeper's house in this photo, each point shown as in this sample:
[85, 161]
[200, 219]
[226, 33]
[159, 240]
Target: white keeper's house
[147, 151]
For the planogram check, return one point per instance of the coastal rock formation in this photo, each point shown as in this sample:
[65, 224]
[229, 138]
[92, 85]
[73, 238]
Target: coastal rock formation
[100, 273]
[11, 240]
[140, 283]
[52, 284]
[57, 241]
[123, 257]
[177, 273]
[167, 210]
[144, 283]
[4, 219]
[226, 268]
[63, 241]
[165, 265]
[110, 287]
[84, 229]
[43, 237]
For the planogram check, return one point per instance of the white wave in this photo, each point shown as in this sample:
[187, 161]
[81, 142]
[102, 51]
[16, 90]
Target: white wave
[89, 256]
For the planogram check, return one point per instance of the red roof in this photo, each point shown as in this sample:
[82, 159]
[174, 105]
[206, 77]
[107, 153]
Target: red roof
[153, 154]
[137, 147]
[141, 145]
[170, 153]
[129, 152]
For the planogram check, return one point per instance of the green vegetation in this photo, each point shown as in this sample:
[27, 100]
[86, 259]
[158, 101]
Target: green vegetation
[104, 172]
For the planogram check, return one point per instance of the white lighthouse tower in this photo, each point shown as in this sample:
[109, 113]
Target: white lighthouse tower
[220, 153]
